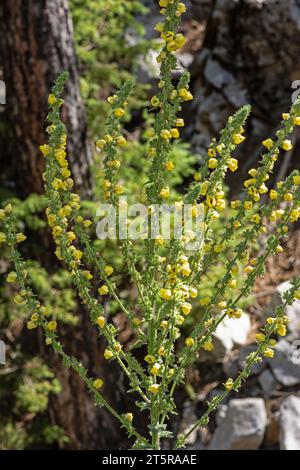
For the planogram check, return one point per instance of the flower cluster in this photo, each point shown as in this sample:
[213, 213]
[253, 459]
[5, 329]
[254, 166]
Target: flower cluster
[167, 276]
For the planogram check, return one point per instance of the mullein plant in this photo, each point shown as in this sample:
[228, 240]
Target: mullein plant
[166, 274]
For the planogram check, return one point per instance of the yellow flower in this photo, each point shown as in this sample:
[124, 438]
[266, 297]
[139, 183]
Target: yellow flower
[165, 192]
[31, 325]
[229, 384]
[232, 284]
[45, 149]
[101, 321]
[273, 194]
[222, 304]
[154, 388]
[150, 359]
[155, 101]
[12, 277]
[108, 270]
[208, 345]
[296, 179]
[287, 145]
[18, 299]
[2, 214]
[180, 320]
[165, 294]
[117, 347]
[185, 269]
[52, 325]
[2, 237]
[189, 342]
[98, 383]
[100, 144]
[119, 112]
[185, 94]
[108, 354]
[48, 341]
[288, 197]
[268, 143]
[193, 292]
[164, 324]
[238, 138]
[57, 230]
[119, 189]
[165, 134]
[181, 8]
[186, 308]
[155, 368]
[255, 218]
[179, 122]
[260, 337]
[169, 166]
[77, 254]
[281, 329]
[159, 27]
[212, 163]
[296, 121]
[234, 313]
[162, 351]
[52, 99]
[248, 204]
[175, 133]
[179, 41]
[121, 141]
[285, 116]
[232, 164]
[235, 204]
[103, 290]
[268, 352]
[112, 99]
[20, 237]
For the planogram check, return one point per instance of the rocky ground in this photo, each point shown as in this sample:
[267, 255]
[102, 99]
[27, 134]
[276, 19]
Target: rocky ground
[266, 412]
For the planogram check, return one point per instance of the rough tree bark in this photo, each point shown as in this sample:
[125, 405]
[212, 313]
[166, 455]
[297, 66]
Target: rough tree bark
[35, 46]
[250, 55]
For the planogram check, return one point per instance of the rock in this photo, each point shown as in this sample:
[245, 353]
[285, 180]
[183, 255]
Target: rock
[216, 75]
[292, 311]
[188, 420]
[267, 382]
[286, 371]
[230, 333]
[243, 426]
[289, 423]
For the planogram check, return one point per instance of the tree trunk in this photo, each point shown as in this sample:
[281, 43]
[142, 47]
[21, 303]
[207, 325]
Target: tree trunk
[35, 46]
[250, 55]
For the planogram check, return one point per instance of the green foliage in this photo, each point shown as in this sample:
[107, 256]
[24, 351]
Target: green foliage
[107, 56]
[25, 389]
